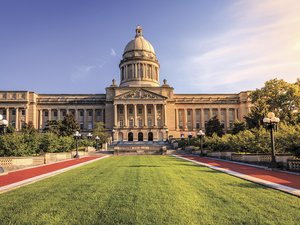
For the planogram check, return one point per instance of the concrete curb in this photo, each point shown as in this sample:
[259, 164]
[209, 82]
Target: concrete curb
[44, 176]
[276, 186]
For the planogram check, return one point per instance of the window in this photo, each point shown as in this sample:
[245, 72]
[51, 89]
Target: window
[90, 125]
[46, 113]
[99, 112]
[180, 125]
[55, 113]
[81, 126]
[81, 113]
[64, 113]
[121, 110]
[149, 110]
[140, 123]
[149, 123]
[131, 123]
[23, 112]
[130, 111]
[197, 125]
[140, 111]
[90, 113]
[189, 124]
[189, 112]
[121, 123]
[13, 112]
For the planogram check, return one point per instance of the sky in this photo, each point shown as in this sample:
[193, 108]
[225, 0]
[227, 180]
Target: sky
[203, 46]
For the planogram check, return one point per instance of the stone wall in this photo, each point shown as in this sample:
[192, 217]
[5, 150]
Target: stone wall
[14, 163]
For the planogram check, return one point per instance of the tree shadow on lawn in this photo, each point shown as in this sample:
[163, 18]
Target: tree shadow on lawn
[137, 166]
[248, 184]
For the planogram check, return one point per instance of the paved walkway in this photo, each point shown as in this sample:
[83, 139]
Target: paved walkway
[22, 177]
[279, 180]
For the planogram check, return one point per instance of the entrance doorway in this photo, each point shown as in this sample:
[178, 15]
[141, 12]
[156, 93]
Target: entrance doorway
[150, 136]
[140, 136]
[130, 136]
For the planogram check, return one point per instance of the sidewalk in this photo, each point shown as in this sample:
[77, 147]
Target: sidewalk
[22, 177]
[283, 181]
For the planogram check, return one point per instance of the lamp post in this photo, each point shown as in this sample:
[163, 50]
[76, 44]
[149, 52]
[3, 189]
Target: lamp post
[271, 122]
[77, 135]
[113, 135]
[201, 135]
[167, 133]
[97, 142]
[3, 125]
[89, 137]
[190, 135]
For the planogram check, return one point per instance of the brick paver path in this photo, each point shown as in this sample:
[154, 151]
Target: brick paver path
[278, 177]
[21, 175]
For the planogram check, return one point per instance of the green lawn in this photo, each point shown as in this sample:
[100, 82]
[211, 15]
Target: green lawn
[146, 190]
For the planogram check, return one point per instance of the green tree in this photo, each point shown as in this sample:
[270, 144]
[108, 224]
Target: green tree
[238, 126]
[28, 128]
[276, 96]
[214, 126]
[99, 131]
[53, 126]
[68, 126]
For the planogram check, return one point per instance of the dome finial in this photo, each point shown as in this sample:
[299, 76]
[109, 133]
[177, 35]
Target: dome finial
[138, 31]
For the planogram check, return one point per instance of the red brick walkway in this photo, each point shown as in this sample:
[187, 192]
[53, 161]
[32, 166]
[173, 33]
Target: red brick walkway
[278, 177]
[21, 175]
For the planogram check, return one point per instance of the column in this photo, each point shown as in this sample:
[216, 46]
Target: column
[135, 115]
[227, 118]
[176, 119]
[185, 119]
[219, 114]
[202, 119]
[7, 114]
[58, 114]
[194, 119]
[40, 119]
[155, 115]
[94, 117]
[26, 115]
[210, 113]
[126, 72]
[135, 70]
[49, 114]
[17, 118]
[145, 115]
[165, 115]
[85, 119]
[125, 115]
[115, 115]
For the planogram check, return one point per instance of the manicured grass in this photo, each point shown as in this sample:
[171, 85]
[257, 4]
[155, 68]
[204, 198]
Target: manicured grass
[146, 190]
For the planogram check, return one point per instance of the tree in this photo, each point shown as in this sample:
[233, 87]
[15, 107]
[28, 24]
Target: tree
[68, 126]
[53, 126]
[276, 96]
[238, 126]
[28, 128]
[99, 131]
[214, 126]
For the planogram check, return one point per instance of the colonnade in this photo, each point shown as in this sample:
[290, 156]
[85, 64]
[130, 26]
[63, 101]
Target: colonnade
[122, 119]
[139, 70]
[19, 116]
[202, 119]
[85, 121]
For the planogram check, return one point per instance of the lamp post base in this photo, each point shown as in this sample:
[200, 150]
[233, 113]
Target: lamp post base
[273, 165]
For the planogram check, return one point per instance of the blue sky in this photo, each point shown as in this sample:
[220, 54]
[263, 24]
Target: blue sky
[220, 46]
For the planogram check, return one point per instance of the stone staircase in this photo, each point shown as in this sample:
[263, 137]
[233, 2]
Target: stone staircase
[141, 148]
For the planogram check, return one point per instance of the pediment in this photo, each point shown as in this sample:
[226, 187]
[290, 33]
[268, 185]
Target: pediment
[140, 94]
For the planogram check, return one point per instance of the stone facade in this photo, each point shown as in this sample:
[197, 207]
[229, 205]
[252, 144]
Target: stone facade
[139, 109]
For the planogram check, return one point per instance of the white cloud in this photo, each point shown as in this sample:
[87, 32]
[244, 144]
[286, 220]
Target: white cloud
[84, 71]
[113, 52]
[264, 43]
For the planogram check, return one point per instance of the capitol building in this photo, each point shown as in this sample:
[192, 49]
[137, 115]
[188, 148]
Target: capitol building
[139, 108]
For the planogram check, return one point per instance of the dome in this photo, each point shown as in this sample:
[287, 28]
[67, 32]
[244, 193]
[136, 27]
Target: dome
[139, 43]
[139, 65]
